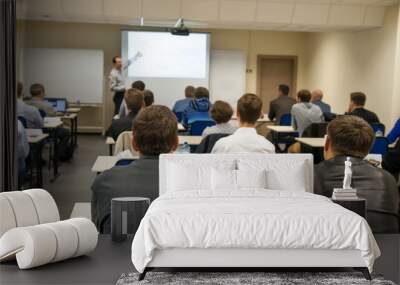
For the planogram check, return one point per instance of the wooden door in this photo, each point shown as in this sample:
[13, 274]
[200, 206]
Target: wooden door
[272, 71]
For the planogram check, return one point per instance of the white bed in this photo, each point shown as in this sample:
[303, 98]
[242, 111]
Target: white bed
[216, 211]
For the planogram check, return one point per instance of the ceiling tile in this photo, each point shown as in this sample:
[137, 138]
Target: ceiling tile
[274, 12]
[206, 10]
[238, 10]
[311, 14]
[161, 9]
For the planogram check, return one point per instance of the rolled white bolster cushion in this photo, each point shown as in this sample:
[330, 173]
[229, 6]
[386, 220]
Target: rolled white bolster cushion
[7, 218]
[23, 208]
[45, 205]
[37, 245]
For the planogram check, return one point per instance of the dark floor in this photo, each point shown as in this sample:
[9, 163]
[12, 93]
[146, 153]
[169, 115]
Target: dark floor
[73, 183]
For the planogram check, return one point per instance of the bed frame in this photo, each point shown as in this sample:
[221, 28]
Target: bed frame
[243, 259]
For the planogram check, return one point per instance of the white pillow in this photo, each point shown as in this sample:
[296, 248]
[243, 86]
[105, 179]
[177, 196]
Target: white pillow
[184, 177]
[223, 179]
[251, 179]
[280, 180]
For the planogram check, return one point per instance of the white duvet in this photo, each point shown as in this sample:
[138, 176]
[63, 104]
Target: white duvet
[250, 219]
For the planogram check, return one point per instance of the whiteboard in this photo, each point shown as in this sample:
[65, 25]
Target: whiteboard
[227, 75]
[74, 74]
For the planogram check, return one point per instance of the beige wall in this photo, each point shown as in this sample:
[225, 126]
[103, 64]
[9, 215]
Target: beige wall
[340, 63]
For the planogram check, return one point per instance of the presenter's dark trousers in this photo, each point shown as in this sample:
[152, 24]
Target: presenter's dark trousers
[118, 97]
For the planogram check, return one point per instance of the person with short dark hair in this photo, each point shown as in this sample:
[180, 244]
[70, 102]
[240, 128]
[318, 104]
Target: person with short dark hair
[135, 102]
[180, 105]
[148, 97]
[281, 105]
[123, 110]
[356, 108]
[351, 136]
[221, 112]
[200, 104]
[154, 132]
[305, 113]
[30, 113]
[245, 139]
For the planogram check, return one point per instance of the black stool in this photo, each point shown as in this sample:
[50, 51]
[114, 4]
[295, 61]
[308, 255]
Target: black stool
[356, 205]
[126, 214]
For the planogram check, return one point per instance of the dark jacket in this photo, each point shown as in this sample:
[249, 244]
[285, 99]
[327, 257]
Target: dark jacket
[376, 185]
[138, 179]
[196, 105]
[279, 107]
[206, 145]
[120, 125]
[367, 115]
[391, 160]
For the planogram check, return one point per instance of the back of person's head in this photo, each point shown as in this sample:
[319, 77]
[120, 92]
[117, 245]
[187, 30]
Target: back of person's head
[221, 112]
[155, 131]
[201, 92]
[148, 97]
[249, 108]
[350, 136]
[139, 85]
[304, 95]
[20, 88]
[115, 59]
[189, 91]
[284, 89]
[317, 95]
[134, 100]
[36, 90]
[358, 98]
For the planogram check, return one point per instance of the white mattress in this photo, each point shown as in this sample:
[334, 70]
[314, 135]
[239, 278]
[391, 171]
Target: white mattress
[262, 219]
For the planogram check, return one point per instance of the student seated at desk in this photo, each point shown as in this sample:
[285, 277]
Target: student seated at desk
[134, 102]
[316, 99]
[245, 139]
[123, 110]
[62, 134]
[394, 133]
[30, 113]
[350, 136]
[154, 132]
[356, 108]
[200, 104]
[391, 161]
[281, 105]
[182, 104]
[221, 112]
[148, 97]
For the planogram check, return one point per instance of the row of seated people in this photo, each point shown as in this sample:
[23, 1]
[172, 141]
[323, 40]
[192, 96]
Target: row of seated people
[31, 113]
[154, 132]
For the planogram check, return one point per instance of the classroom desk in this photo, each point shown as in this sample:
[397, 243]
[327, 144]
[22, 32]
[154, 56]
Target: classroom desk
[110, 142]
[73, 110]
[73, 118]
[110, 259]
[104, 163]
[51, 126]
[279, 133]
[191, 140]
[181, 128]
[312, 142]
[315, 146]
[36, 147]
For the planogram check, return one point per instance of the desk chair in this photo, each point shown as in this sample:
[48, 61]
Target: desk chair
[286, 120]
[124, 161]
[206, 145]
[315, 130]
[196, 128]
[379, 129]
[381, 146]
[23, 121]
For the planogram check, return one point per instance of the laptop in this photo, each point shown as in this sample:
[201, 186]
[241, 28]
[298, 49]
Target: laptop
[59, 104]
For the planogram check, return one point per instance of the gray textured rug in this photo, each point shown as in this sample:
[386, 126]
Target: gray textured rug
[269, 278]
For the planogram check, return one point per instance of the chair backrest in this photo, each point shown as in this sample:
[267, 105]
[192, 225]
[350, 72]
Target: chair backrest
[42, 113]
[181, 172]
[380, 146]
[378, 128]
[23, 121]
[206, 145]
[198, 116]
[124, 142]
[124, 161]
[315, 130]
[286, 120]
[196, 128]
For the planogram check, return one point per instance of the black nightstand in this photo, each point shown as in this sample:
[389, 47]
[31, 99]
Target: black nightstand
[358, 205]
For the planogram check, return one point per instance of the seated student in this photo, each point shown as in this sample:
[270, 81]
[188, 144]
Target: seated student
[154, 132]
[134, 102]
[356, 108]
[394, 134]
[281, 105]
[391, 161]
[182, 104]
[38, 94]
[201, 103]
[221, 112]
[148, 98]
[139, 85]
[245, 139]
[316, 99]
[305, 113]
[63, 135]
[350, 136]
[31, 114]
[22, 150]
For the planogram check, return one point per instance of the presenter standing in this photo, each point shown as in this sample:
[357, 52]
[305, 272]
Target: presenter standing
[117, 79]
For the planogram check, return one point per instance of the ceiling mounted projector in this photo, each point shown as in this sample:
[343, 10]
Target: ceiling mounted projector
[180, 29]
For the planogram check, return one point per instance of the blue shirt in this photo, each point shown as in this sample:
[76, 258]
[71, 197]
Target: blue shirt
[31, 115]
[181, 105]
[325, 108]
[201, 105]
[394, 133]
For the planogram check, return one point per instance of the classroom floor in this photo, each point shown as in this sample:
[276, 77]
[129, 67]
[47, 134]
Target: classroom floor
[73, 183]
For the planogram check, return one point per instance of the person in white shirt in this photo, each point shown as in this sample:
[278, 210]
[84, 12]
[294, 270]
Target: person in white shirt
[245, 139]
[221, 112]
